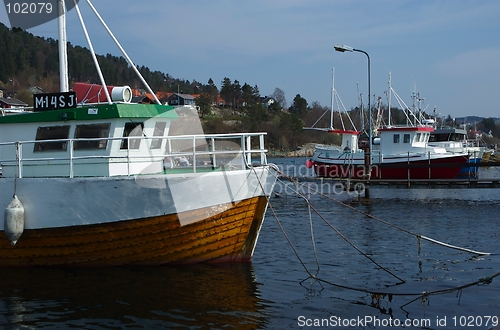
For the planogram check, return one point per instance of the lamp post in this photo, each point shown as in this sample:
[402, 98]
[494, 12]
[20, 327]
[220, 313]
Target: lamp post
[344, 48]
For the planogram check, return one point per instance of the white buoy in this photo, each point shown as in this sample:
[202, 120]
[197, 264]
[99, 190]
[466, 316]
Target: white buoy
[14, 220]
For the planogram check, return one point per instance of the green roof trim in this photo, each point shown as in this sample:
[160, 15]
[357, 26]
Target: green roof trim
[93, 112]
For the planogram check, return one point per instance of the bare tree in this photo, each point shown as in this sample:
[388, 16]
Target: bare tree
[279, 96]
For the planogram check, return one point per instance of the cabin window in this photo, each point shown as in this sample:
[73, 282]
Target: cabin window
[91, 132]
[52, 133]
[396, 138]
[417, 137]
[159, 131]
[406, 138]
[134, 133]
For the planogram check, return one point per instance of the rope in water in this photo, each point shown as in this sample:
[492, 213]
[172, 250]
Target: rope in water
[393, 225]
[347, 240]
[374, 293]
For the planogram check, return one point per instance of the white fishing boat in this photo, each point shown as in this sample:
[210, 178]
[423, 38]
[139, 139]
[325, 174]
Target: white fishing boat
[398, 152]
[455, 140]
[98, 185]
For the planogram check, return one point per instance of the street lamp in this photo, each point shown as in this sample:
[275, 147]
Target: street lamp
[344, 48]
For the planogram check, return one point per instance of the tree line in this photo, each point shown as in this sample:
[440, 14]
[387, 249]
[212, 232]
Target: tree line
[28, 61]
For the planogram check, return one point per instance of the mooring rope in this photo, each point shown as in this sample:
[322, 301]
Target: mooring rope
[374, 293]
[391, 224]
[277, 219]
[347, 240]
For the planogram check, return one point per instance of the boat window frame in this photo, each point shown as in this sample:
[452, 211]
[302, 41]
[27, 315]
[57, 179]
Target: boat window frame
[406, 138]
[396, 138]
[130, 129]
[57, 132]
[158, 131]
[103, 132]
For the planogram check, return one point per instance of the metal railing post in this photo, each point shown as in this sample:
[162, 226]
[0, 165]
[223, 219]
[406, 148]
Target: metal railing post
[262, 153]
[194, 153]
[71, 173]
[408, 162]
[214, 160]
[19, 152]
[429, 163]
[128, 155]
[249, 148]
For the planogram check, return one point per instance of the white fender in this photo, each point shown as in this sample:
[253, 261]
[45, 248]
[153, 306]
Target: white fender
[14, 220]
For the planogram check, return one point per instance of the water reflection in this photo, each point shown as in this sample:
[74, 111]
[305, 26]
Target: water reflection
[165, 297]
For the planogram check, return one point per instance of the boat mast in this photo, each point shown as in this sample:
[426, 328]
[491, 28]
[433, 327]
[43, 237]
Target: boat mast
[333, 96]
[389, 99]
[92, 52]
[63, 55]
[361, 108]
[132, 65]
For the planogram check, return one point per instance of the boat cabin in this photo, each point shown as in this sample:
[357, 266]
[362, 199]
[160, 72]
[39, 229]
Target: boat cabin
[448, 134]
[93, 140]
[396, 140]
[349, 142]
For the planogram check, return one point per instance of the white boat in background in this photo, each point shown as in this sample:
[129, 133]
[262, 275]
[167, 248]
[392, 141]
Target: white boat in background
[97, 185]
[398, 152]
[455, 140]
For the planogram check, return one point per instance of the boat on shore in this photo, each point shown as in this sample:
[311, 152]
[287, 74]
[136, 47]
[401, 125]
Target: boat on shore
[100, 184]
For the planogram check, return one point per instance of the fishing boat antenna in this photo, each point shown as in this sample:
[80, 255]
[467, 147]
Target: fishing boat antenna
[63, 54]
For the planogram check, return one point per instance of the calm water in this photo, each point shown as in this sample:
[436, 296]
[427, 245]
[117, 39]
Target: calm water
[275, 291]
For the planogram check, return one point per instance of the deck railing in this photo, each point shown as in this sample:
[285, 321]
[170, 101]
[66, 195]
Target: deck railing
[186, 153]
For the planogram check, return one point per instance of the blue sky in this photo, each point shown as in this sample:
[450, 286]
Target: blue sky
[448, 51]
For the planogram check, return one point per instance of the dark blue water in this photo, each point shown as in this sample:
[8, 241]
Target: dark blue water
[275, 290]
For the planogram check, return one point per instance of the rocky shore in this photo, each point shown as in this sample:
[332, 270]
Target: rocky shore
[307, 150]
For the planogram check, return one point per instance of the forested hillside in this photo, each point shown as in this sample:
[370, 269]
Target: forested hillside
[27, 61]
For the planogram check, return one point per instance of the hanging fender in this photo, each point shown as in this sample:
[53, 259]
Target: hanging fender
[14, 220]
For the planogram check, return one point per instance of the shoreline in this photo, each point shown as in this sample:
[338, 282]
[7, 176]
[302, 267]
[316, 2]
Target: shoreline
[306, 150]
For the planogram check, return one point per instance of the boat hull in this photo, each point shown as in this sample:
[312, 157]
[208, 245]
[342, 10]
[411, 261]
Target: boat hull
[470, 170]
[229, 236]
[184, 218]
[408, 168]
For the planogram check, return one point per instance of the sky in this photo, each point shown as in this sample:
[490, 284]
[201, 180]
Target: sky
[448, 51]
